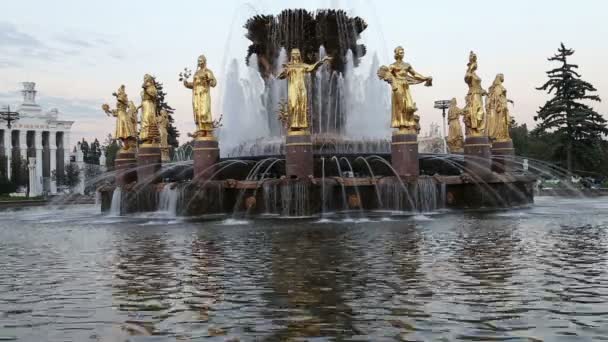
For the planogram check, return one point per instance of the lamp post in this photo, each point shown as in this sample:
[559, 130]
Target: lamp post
[443, 105]
[8, 116]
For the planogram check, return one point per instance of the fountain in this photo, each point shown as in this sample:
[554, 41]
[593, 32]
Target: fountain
[298, 139]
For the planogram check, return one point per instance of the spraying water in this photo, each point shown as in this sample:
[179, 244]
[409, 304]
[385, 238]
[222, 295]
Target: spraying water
[116, 202]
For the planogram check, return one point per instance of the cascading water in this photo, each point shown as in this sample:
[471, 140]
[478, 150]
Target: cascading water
[426, 195]
[116, 202]
[168, 199]
[294, 199]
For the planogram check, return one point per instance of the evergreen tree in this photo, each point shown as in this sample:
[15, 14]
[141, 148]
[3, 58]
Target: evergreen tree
[161, 104]
[578, 126]
[111, 147]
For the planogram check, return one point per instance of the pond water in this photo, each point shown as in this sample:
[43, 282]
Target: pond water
[531, 274]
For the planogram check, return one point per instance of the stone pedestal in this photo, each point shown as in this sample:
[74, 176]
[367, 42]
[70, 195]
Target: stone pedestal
[404, 154]
[298, 155]
[477, 156]
[148, 163]
[206, 154]
[125, 164]
[503, 156]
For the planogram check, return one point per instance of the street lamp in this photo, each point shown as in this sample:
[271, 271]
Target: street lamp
[8, 116]
[443, 105]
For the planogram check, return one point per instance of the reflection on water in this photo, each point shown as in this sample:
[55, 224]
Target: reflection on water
[533, 274]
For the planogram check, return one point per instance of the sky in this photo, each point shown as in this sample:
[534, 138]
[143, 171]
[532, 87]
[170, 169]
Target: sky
[79, 52]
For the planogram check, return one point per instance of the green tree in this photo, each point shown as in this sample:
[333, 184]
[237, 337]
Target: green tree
[161, 104]
[72, 175]
[577, 126]
[111, 147]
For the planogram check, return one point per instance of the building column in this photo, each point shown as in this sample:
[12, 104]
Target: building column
[8, 151]
[81, 166]
[53, 160]
[31, 166]
[67, 151]
[23, 144]
[39, 163]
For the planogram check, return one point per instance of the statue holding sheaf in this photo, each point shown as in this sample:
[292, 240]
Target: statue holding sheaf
[400, 76]
[126, 124]
[201, 85]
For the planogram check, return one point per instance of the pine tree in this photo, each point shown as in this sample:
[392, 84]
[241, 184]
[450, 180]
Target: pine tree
[578, 126]
[161, 104]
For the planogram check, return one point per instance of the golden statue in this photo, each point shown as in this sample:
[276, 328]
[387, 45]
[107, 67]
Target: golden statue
[455, 139]
[126, 129]
[162, 122]
[475, 117]
[149, 130]
[497, 110]
[400, 76]
[297, 98]
[201, 85]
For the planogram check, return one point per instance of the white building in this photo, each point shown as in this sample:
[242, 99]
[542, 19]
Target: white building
[39, 135]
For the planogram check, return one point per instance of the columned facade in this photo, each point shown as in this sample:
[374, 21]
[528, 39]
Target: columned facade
[40, 136]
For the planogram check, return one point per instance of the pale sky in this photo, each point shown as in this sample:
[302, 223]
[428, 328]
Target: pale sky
[79, 52]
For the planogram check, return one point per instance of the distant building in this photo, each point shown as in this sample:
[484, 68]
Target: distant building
[40, 135]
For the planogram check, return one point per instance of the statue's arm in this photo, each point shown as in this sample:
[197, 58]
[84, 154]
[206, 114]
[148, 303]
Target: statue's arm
[188, 85]
[417, 76]
[211, 77]
[284, 72]
[314, 67]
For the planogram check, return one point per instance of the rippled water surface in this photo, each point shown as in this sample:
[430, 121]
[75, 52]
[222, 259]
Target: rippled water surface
[531, 274]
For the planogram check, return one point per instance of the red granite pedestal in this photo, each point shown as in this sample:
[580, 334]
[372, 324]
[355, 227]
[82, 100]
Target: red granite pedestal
[206, 154]
[148, 163]
[477, 156]
[503, 156]
[125, 164]
[404, 154]
[298, 156]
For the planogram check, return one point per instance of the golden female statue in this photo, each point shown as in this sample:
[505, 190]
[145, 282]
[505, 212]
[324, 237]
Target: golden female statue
[126, 130]
[400, 76]
[497, 110]
[201, 85]
[475, 117]
[297, 98]
[455, 139]
[149, 131]
[162, 122]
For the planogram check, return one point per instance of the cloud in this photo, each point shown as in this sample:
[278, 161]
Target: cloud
[19, 47]
[10, 36]
[73, 41]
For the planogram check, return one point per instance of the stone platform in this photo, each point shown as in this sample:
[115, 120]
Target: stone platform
[315, 196]
[299, 155]
[148, 163]
[206, 154]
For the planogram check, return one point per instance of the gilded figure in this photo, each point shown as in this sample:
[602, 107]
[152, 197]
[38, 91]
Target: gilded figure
[126, 129]
[148, 133]
[497, 110]
[297, 98]
[400, 76]
[475, 116]
[455, 139]
[202, 82]
[162, 122]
